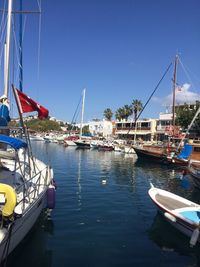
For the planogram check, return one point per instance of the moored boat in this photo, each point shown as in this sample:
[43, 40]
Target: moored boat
[194, 170]
[26, 183]
[182, 213]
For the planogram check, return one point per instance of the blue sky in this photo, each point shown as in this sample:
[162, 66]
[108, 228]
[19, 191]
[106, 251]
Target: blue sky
[116, 49]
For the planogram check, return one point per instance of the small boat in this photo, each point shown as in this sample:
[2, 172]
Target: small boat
[106, 147]
[182, 213]
[81, 143]
[69, 140]
[36, 138]
[194, 170]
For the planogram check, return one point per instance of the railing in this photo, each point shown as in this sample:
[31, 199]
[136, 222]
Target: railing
[36, 185]
[133, 129]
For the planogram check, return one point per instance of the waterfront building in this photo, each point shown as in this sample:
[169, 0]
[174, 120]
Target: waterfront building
[145, 129]
[102, 128]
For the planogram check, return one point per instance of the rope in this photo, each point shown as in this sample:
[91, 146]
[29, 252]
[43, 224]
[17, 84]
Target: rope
[151, 95]
[39, 38]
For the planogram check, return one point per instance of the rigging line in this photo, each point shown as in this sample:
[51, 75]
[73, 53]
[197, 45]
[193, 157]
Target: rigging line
[20, 47]
[39, 41]
[2, 40]
[152, 94]
[154, 90]
[75, 113]
[16, 46]
[39, 5]
[187, 74]
[3, 18]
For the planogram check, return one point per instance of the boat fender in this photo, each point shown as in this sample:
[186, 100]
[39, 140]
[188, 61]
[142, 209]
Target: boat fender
[170, 217]
[51, 197]
[11, 199]
[194, 237]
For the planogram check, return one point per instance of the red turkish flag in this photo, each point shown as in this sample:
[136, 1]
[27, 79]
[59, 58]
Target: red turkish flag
[28, 105]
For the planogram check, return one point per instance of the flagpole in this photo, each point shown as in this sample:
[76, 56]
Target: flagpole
[18, 107]
[23, 126]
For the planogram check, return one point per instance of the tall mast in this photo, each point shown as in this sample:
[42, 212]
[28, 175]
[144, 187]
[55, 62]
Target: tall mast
[174, 92]
[7, 54]
[82, 112]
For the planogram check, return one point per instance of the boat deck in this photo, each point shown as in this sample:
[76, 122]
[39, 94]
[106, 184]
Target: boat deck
[171, 204]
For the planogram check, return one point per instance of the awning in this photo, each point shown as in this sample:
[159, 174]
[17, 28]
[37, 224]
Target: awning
[13, 142]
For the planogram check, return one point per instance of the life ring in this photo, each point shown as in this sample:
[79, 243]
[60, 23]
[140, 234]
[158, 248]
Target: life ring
[11, 199]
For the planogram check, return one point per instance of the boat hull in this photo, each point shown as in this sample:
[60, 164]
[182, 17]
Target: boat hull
[153, 155]
[171, 205]
[23, 225]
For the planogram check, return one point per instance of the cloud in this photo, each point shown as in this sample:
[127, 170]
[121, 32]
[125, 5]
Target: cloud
[182, 95]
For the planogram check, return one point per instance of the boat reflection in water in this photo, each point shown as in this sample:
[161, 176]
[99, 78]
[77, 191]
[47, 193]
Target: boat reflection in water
[170, 240]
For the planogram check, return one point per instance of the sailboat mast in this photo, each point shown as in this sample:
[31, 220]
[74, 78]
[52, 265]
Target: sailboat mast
[7, 54]
[174, 92]
[82, 113]
[20, 50]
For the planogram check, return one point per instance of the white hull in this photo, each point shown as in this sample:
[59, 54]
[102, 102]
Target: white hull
[69, 143]
[23, 225]
[178, 211]
[129, 150]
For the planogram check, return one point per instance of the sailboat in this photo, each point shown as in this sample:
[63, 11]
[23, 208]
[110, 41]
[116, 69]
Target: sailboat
[161, 153]
[26, 183]
[82, 143]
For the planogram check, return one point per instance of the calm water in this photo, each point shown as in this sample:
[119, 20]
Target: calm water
[103, 215]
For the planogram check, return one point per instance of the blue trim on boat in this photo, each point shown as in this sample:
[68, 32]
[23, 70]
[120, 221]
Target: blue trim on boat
[192, 215]
[13, 142]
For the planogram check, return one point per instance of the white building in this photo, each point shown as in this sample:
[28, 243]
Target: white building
[101, 127]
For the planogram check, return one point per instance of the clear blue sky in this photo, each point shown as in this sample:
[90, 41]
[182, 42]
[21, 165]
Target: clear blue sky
[117, 49]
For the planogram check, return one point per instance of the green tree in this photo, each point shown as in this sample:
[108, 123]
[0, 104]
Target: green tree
[118, 114]
[85, 129]
[185, 114]
[43, 125]
[123, 113]
[108, 114]
[137, 107]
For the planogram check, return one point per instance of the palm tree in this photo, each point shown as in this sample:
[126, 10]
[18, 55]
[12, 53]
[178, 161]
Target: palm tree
[137, 107]
[118, 114]
[124, 112]
[127, 111]
[108, 114]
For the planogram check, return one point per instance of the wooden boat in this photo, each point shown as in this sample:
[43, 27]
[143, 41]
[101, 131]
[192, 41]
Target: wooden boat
[183, 214]
[158, 153]
[190, 151]
[194, 170]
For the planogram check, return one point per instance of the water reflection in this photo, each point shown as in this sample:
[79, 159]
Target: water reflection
[169, 239]
[33, 250]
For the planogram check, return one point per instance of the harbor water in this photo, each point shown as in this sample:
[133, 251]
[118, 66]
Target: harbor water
[104, 216]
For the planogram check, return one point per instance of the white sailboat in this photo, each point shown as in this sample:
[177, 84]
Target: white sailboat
[25, 182]
[82, 143]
